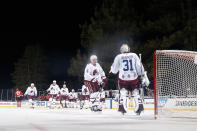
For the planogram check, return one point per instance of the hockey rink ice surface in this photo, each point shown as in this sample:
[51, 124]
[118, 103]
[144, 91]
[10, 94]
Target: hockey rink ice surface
[13, 119]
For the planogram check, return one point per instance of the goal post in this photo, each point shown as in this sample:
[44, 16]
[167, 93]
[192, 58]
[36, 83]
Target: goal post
[175, 83]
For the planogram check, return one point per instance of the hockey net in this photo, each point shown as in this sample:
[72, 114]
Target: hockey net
[175, 83]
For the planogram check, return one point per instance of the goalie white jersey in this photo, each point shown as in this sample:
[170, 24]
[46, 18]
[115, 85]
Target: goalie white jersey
[54, 89]
[128, 65]
[64, 91]
[31, 91]
[93, 72]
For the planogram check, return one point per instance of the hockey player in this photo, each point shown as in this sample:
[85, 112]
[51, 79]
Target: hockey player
[31, 93]
[131, 74]
[18, 96]
[73, 99]
[94, 79]
[54, 92]
[64, 96]
[85, 97]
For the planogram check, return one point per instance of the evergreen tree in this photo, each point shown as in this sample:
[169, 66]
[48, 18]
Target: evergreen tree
[30, 69]
[145, 25]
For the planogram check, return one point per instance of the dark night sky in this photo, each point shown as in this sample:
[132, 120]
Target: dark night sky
[59, 46]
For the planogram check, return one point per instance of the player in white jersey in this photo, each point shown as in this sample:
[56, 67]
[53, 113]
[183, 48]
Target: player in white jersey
[31, 93]
[64, 96]
[85, 97]
[94, 79]
[131, 74]
[72, 99]
[54, 92]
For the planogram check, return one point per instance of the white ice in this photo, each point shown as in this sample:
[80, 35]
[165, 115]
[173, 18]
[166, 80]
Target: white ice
[13, 119]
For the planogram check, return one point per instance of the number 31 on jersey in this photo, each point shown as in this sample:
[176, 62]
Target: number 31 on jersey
[128, 65]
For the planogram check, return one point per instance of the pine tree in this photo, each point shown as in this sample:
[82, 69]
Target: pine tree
[30, 68]
[145, 25]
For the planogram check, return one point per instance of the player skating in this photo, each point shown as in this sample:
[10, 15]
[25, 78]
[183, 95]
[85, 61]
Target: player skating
[95, 80]
[54, 92]
[64, 96]
[85, 97]
[31, 93]
[18, 96]
[72, 99]
[131, 74]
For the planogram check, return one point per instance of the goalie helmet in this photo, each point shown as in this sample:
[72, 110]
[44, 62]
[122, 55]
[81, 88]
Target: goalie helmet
[124, 48]
[93, 57]
[32, 84]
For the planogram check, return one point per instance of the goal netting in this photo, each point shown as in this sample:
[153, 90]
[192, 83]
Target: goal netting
[175, 83]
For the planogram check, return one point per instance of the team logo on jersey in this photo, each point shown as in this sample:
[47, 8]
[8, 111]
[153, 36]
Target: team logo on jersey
[95, 72]
[85, 90]
[31, 91]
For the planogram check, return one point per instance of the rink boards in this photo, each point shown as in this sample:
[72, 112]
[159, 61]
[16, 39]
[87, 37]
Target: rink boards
[178, 104]
[109, 104]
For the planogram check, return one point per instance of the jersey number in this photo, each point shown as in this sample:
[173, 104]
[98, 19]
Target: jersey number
[128, 65]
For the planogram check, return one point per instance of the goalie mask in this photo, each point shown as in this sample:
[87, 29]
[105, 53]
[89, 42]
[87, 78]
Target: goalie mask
[124, 48]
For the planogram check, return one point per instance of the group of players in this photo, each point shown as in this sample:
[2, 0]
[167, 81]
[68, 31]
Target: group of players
[56, 95]
[132, 77]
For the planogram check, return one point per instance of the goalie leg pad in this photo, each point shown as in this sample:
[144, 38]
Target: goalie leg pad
[138, 103]
[123, 100]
